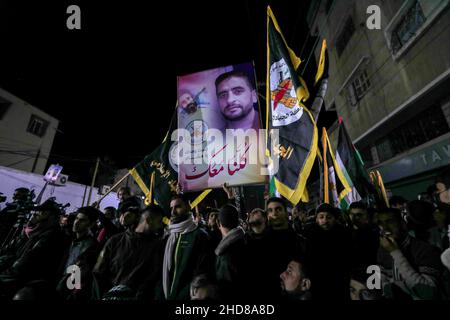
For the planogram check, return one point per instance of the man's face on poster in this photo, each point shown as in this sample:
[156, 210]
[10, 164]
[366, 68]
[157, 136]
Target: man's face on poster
[236, 98]
[185, 99]
[187, 103]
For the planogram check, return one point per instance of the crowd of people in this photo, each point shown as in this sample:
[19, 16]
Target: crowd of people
[276, 253]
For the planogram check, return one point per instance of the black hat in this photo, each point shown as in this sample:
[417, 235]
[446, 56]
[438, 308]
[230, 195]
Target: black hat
[50, 206]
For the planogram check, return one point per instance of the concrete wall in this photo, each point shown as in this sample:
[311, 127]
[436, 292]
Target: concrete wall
[393, 80]
[19, 147]
[11, 179]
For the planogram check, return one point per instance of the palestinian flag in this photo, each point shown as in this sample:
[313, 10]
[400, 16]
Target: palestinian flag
[335, 184]
[353, 168]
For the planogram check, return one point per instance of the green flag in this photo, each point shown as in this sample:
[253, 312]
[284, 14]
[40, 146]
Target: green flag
[160, 165]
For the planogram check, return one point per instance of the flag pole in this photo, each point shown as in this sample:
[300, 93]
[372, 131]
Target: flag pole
[93, 180]
[112, 188]
[326, 196]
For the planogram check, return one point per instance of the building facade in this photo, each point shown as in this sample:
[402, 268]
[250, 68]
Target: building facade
[391, 85]
[26, 134]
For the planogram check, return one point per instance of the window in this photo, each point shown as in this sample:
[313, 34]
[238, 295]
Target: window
[358, 87]
[410, 22]
[425, 126]
[407, 27]
[37, 126]
[4, 106]
[345, 35]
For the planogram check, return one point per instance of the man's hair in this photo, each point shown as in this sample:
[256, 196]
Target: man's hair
[110, 209]
[22, 190]
[279, 200]
[92, 213]
[397, 200]
[229, 216]
[153, 210]
[396, 213]
[325, 207]
[357, 205]
[131, 209]
[260, 211]
[204, 281]
[234, 73]
[182, 197]
[439, 179]
[129, 205]
[304, 272]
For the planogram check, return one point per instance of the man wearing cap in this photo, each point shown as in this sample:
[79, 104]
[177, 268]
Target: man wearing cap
[40, 254]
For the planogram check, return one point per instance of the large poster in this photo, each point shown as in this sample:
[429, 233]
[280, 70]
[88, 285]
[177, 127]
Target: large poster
[219, 134]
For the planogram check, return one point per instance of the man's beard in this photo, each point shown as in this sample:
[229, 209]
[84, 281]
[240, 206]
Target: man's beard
[180, 218]
[191, 107]
[239, 117]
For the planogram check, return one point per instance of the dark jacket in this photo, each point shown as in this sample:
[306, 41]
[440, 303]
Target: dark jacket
[130, 259]
[231, 265]
[365, 242]
[38, 259]
[258, 260]
[329, 260]
[215, 237]
[193, 256]
[83, 253]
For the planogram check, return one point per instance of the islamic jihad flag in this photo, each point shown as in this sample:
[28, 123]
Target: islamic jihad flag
[295, 146]
[156, 175]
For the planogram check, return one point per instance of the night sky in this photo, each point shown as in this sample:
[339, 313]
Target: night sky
[112, 85]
